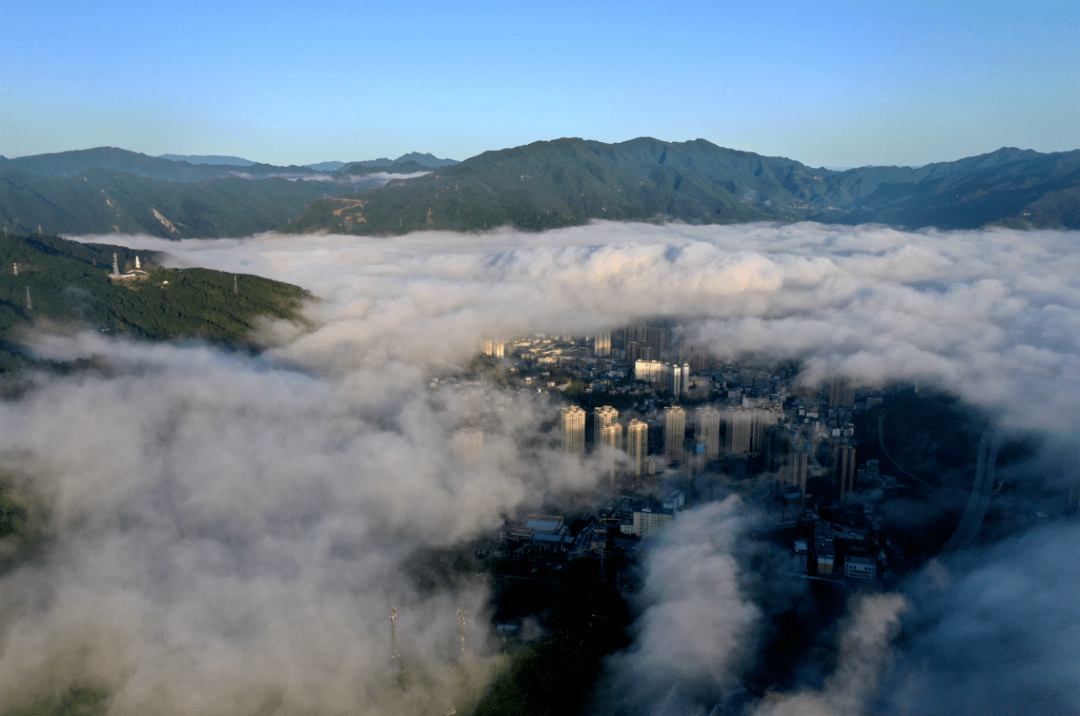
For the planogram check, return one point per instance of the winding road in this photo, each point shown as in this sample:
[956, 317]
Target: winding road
[969, 524]
[980, 498]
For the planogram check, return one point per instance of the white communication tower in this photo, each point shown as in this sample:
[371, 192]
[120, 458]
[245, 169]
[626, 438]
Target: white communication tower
[395, 657]
[461, 623]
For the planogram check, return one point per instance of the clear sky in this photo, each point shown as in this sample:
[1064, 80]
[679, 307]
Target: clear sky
[828, 83]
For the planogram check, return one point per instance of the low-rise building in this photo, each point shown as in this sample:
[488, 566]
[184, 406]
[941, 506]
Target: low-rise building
[649, 521]
[860, 567]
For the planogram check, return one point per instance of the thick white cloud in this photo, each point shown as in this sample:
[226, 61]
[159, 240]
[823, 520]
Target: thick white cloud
[865, 649]
[228, 533]
[696, 625]
[993, 315]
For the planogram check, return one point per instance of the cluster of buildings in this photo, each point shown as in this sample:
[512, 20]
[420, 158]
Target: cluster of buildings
[683, 412]
[697, 438]
[834, 548]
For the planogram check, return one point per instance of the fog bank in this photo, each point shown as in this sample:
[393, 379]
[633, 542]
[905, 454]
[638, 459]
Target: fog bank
[227, 533]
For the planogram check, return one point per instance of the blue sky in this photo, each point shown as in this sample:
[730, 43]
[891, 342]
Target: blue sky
[830, 83]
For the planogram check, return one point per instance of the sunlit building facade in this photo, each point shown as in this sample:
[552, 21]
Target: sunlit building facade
[674, 433]
[603, 417]
[637, 446]
[573, 425]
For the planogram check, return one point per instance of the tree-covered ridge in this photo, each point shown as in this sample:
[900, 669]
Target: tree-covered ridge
[73, 163]
[103, 201]
[47, 278]
[567, 182]
[564, 182]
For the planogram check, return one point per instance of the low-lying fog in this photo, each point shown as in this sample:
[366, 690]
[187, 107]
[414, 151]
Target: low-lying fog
[227, 534]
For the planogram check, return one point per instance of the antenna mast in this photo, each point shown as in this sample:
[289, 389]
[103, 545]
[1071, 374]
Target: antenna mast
[395, 658]
[461, 623]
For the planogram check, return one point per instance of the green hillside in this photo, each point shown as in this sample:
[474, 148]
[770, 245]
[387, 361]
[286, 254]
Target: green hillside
[542, 185]
[102, 201]
[570, 181]
[1009, 187]
[73, 163]
[69, 285]
[408, 167]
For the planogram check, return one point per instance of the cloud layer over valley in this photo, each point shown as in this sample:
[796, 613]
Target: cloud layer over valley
[227, 533]
[993, 315]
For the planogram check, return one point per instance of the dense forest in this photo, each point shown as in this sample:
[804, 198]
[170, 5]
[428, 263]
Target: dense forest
[47, 280]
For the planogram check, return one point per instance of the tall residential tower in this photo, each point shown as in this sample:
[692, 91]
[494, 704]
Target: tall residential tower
[674, 433]
[573, 425]
[637, 446]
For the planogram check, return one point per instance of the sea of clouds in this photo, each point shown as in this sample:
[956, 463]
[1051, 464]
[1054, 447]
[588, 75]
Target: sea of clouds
[227, 533]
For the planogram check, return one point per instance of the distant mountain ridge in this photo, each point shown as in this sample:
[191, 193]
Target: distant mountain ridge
[68, 164]
[327, 166]
[208, 159]
[428, 161]
[105, 201]
[542, 185]
[109, 190]
[192, 168]
[570, 181]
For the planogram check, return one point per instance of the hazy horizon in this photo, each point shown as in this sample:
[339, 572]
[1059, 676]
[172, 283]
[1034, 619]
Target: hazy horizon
[173, 155]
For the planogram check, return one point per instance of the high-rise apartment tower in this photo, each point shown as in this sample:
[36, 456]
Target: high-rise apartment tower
[674, 433]
[573, 424]
[708, 430]
[637, 446]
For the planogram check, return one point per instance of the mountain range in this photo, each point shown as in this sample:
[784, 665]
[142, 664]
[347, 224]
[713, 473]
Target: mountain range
[570, 181]
[430, 161]
[109, 190]
[542, 185]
